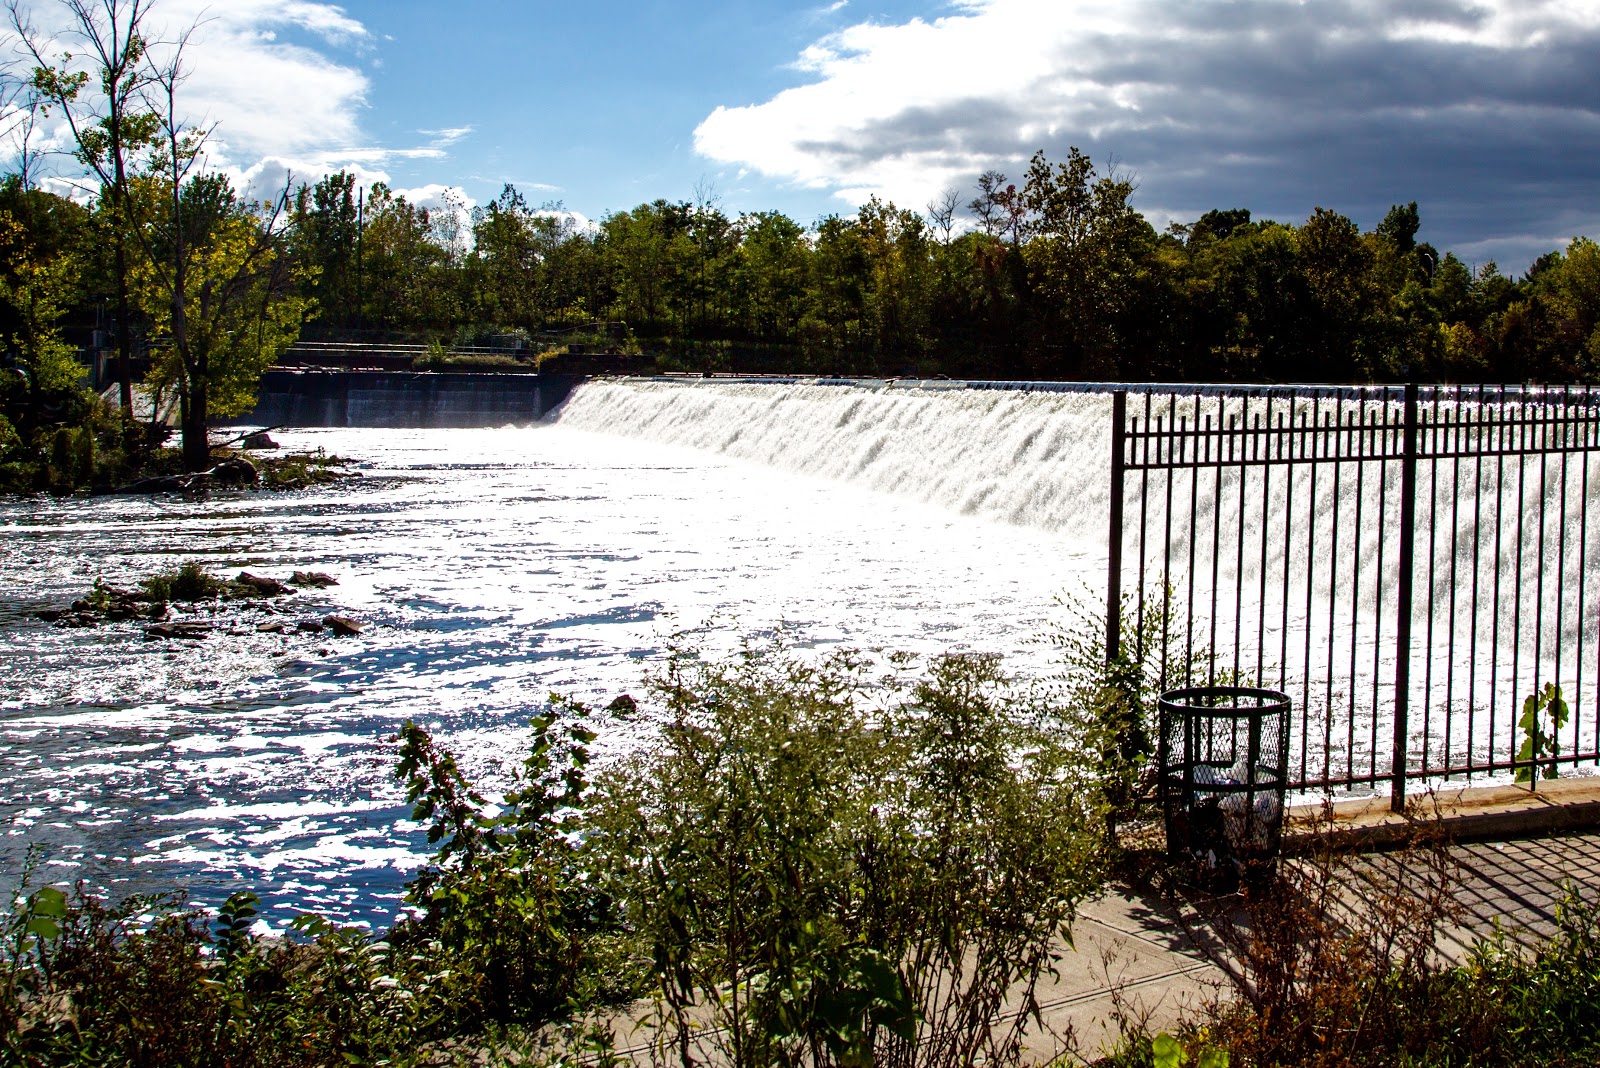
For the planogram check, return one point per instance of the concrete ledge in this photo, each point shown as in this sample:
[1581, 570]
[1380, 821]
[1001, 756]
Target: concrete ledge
[1460, 813]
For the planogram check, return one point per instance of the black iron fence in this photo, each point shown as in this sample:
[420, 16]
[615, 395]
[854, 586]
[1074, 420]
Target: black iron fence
[1408, 564]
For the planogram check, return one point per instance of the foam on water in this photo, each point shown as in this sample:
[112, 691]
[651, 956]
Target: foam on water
[494, 567]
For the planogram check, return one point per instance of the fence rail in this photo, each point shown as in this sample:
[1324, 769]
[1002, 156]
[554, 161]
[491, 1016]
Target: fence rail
[1407, 563]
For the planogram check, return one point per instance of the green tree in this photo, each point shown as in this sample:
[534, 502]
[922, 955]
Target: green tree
[840, 268]
[324, 232]
[1568, 287]
[1083, 257]
[401, 262]
[220, 284]
[896, 246]
[109, 125]
[769, 276]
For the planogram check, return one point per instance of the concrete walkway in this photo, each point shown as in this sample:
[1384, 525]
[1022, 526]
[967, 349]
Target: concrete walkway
[1517, 854]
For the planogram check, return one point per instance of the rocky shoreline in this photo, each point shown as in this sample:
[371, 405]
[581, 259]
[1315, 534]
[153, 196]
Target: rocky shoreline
[236, 471]
[185, 605]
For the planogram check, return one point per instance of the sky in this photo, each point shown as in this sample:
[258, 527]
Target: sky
[1485, 112]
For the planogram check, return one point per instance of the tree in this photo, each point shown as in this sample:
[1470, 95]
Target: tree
[895, 241]
[35, 290]
[215, 275]
[508, 257]
[52, 430]
[942, 214]
[770, 275]
[108, 127]
[223, 288]
[1085, 251]
[325, 234]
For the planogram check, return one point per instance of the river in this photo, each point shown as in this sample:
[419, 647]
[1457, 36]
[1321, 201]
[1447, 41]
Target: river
[492, 567]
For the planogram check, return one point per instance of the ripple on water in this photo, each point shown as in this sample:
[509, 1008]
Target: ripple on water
[493, 567]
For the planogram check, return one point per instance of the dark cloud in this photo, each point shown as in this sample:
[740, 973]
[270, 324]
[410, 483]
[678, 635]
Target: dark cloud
[1486, 113]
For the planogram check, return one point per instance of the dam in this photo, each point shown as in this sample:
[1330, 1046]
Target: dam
[572, 535]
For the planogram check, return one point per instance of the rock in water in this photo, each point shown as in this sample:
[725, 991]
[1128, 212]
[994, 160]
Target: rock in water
[309, 626]
[260, 440]
[624, 705]
[315, 579]
[235, 471]
[266, 587]
[342, 626]
[187, 631]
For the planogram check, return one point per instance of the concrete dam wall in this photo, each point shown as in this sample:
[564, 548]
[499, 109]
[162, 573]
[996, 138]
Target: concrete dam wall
[404, 399]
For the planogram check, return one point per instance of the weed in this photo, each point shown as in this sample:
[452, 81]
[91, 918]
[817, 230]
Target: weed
[188, 583]
[1540, 749]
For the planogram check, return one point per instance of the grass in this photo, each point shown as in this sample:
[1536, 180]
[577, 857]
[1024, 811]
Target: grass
[187, 583]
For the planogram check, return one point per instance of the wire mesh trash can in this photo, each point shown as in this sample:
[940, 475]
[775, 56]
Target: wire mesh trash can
[1222, 754]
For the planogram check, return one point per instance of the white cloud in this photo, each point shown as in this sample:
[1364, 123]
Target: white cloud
[276, 83]
[1260, 103]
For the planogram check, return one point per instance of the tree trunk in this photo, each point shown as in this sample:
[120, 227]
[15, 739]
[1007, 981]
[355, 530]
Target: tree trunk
[196, 442]
[124, 338]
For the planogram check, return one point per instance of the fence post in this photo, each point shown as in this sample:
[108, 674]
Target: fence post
[1402, 654]
[1119, 411]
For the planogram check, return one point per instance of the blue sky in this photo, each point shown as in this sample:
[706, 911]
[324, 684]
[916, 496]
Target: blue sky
[1486, 112]
[598, 100]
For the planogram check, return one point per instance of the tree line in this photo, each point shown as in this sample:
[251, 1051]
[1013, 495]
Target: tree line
[1055, 275]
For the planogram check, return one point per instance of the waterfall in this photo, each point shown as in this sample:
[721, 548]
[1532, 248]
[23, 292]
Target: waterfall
[1288, 573]
[1031, 459]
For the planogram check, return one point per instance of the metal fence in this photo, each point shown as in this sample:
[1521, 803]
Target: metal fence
[1408, 564]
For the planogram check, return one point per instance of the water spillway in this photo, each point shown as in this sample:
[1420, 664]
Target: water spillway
[1037, 459]
[494, 565]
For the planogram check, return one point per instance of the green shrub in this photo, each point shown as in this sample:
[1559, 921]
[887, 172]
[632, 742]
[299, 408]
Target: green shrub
[507, 898]
[190, 582]
[815, 881]
[149, 982]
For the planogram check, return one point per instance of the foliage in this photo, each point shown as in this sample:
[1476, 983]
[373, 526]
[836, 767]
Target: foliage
[189, 582]
[507, 898]
[1541, 750]
[816, 882]
[1335, 966]
[54, 433]
[1108, 703]
[1060, 278]
[299, 470]
[151, 982]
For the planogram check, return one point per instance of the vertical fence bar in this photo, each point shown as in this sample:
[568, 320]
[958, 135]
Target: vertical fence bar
[1119, 410]
[1402, 634]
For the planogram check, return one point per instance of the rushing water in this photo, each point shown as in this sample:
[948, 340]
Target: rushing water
[493, 567]
[496, 566]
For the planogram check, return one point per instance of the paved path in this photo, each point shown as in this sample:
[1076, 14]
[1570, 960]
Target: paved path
[1133, 957]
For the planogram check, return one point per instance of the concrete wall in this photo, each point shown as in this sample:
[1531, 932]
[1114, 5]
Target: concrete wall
[403, 399]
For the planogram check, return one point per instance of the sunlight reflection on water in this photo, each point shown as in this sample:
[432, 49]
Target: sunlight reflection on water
[493, 567]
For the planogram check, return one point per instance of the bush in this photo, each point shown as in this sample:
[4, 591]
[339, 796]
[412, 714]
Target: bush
[150, 982]
[190, 582]
[1335, 967]
[506, 898]
[814, 882]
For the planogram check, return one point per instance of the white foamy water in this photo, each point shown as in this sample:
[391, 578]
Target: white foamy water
[496, 566]
[1034, 459]
[1292, 572]
[493, 567]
